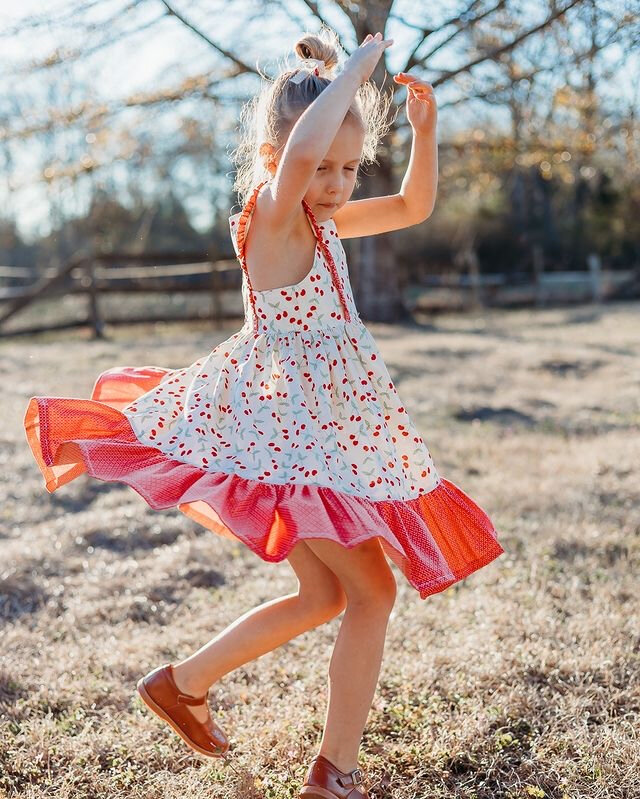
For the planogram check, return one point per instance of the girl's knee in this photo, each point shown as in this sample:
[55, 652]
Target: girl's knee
[377, 595]
[323, 602]
[319, 589]
[390, 590]
[373, 584]
[363, 572]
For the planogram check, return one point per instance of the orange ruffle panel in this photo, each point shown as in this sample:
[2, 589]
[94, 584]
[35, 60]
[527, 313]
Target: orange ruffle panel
[436, 538]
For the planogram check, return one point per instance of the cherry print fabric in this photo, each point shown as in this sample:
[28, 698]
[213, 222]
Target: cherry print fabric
[289, 429]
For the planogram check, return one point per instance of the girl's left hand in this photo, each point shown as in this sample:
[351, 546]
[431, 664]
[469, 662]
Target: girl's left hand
[422, 111]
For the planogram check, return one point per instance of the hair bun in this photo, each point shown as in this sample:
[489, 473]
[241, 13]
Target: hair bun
[323, 46]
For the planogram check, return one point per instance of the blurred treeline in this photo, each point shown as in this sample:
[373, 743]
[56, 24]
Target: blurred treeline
[538, 144]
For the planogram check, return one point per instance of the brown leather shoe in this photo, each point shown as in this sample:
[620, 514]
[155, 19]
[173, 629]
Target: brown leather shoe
[325, 781]
[161, 694]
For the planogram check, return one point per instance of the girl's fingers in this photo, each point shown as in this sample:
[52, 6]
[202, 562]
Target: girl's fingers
[378, 39]
[413, 83]
[378, 35]
[410, 77]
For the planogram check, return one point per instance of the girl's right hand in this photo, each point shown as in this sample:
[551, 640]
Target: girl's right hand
[363, 60]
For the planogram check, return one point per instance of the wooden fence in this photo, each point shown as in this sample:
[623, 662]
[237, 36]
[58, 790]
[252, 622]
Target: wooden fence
[104, 273]
[522, 289]
[97, 274]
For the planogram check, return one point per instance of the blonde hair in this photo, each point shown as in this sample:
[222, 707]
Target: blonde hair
[271, 114]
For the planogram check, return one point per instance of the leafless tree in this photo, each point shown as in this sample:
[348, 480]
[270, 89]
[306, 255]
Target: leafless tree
[477, 54]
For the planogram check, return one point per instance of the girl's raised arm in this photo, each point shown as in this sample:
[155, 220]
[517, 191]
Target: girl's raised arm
[315, 129]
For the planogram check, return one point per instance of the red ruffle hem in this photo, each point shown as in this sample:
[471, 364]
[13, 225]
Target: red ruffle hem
[436, 538]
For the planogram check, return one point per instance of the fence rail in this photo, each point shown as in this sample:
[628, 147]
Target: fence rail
[448, 292]
[95, 274]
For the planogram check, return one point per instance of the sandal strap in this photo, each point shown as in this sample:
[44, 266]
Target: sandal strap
[344, 778]
[185, 699]
[355, 777]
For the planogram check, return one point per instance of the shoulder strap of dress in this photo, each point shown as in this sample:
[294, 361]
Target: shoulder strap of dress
[329, 259]
[240, 242]
[240, 237]
[244, 218]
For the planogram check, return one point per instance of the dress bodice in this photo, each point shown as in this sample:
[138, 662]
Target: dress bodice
[323, 298]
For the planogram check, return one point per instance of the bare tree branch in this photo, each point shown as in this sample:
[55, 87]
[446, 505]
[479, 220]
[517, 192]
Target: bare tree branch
[460, 27]
[173, 13]
[313, 7]
[505, 48]
[490, 94]
[343, 5]
[58, 56]
[46, 21]
[285, 5]
[87, 113]
[426, 32]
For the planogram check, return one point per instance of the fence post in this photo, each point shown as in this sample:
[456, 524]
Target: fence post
[538, 273]
[216, 299]
[595, 270]
[471, 258]
[94, 312]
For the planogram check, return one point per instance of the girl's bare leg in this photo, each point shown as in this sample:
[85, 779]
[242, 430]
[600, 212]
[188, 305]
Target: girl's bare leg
[357, 656]
[319, 598]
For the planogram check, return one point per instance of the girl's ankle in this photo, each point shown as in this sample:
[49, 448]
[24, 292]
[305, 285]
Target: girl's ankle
[341, 762]
[184, 684]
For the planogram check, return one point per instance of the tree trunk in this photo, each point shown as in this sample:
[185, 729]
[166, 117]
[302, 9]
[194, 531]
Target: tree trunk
[377, 279]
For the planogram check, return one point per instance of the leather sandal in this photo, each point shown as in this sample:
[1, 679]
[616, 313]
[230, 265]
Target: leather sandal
[160, 693]
[326, 781]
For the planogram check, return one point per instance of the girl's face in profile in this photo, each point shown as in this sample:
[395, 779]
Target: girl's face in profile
[334, 180]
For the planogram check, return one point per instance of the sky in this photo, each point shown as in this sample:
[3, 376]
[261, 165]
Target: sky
[167, 52]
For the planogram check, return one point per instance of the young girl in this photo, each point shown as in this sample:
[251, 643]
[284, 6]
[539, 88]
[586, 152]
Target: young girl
[290, 435]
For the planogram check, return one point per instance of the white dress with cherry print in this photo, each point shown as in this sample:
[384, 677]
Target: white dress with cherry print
[289, 429]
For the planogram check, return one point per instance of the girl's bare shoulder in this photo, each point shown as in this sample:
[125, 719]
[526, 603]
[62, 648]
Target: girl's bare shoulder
[266, 239]
[270, 228]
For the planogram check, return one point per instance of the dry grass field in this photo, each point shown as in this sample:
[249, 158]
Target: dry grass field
[522, 681]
